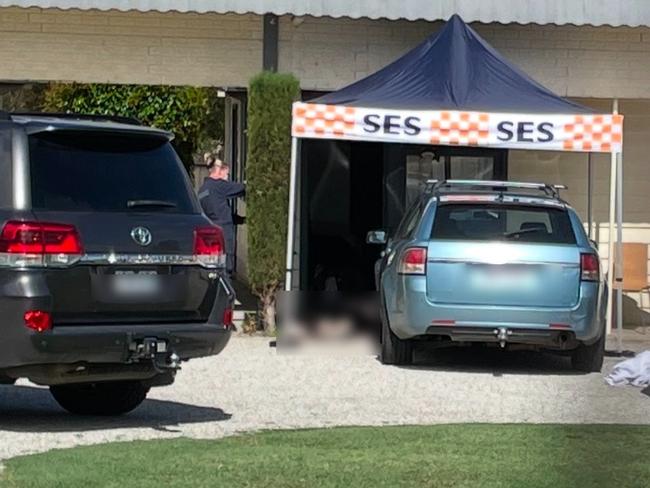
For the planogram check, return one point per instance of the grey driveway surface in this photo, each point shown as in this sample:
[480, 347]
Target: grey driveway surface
[251, 386]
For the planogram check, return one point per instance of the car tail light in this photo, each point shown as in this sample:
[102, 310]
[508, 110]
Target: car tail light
[39, 244]
[414, 261]
[589, 267]
[38, 320]
[209, 247]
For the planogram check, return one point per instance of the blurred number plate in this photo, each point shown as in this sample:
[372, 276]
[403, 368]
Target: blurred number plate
[499, 278]
[136, 283]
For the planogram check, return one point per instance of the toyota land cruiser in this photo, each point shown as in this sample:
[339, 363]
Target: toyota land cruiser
[110, 275]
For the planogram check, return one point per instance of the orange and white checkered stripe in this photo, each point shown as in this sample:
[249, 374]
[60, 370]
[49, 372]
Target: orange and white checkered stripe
[328, 121]
[460, 128]
[598, 133]
[551, 132]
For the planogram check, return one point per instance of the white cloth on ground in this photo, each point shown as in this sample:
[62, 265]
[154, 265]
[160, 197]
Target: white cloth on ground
[634, 371]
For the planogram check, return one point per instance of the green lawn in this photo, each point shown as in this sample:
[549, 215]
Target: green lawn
[473, 456]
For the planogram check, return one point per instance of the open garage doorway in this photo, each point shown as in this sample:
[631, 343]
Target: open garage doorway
[349, 188]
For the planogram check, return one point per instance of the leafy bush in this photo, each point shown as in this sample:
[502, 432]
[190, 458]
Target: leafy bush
[191, 113]
[22, 97]
[267, 171]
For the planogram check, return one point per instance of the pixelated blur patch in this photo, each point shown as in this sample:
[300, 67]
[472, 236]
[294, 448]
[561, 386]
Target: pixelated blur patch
[327, 321]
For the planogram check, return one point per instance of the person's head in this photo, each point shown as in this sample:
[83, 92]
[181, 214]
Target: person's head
[209, 159]
[219, 170]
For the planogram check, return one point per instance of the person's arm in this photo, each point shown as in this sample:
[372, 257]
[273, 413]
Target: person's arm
[205, 199]
[234, 189]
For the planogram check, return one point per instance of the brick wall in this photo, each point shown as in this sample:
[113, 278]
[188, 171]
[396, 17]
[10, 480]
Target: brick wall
[325, 53]
[129, 47]
[573, 61]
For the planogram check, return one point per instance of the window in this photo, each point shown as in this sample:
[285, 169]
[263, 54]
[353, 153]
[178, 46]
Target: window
[410, 222]
[471, 222]
[472, 167]
[419, 169]
[103, 172]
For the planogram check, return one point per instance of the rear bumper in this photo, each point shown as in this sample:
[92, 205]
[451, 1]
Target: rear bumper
[105, 353]
[551, 339]
[412, 314]
[110, 344]
[99, 343]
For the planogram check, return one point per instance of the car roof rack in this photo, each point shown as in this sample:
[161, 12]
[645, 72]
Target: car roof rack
[120, 119]
[434, 186]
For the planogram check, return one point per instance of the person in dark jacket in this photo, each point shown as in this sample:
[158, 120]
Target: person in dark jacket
[214, 194]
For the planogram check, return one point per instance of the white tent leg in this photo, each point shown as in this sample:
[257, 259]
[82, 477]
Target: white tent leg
[611, 245]
[590, 182]
[619, 251]
[292, 214]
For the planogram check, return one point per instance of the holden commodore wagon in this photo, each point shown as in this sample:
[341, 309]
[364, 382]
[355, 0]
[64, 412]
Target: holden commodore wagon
[492, 262]
[110, 274]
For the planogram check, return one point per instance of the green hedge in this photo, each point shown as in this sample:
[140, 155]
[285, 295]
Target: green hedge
[267, 174]
[191, 113]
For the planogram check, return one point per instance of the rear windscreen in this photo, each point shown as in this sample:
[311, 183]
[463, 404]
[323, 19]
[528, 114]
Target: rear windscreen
[471, 222]
[102, 172]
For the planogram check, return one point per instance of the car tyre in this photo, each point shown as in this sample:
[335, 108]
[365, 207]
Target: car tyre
[393, 349]
[110, 398]
[589, 358]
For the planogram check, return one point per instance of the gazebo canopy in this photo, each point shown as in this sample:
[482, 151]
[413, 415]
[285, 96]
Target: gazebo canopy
[454, 69]
[455, 89]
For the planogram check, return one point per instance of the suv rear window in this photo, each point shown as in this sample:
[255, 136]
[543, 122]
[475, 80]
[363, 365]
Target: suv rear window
[511, 223]
[103, 172]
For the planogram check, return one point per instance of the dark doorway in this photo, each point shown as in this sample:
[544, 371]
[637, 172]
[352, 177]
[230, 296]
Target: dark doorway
[349, 188]
[343, 200]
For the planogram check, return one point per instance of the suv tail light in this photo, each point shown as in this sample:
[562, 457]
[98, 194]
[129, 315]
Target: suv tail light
[589, 267]
[414, 261]
[228, 317]
[39, 244]
[209, 246]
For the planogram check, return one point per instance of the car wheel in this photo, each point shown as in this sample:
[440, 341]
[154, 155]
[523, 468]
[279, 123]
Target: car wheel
[393, 349]
[589, 358]
[111, 398]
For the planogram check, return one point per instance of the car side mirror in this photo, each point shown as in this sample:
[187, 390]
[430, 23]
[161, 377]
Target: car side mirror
[376, 237]
[594, 243]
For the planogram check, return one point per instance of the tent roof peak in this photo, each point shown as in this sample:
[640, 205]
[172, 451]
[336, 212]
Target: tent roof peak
[454, 69]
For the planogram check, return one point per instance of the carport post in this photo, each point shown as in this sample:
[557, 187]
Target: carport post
[611, 247]
[292, 213]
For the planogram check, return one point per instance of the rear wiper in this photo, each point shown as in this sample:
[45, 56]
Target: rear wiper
[521, 231]
[150, 203]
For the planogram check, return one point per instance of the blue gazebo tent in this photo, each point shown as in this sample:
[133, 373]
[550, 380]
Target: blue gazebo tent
[454, 89]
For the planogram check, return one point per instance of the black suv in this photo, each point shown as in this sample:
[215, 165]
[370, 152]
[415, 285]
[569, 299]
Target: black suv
[110, 275]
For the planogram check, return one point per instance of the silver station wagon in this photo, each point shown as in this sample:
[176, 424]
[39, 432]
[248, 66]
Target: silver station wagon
[493, 262]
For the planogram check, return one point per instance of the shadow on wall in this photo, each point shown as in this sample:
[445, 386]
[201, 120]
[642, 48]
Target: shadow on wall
[634, 316]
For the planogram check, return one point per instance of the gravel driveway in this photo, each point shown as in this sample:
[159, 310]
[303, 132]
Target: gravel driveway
[250, 386]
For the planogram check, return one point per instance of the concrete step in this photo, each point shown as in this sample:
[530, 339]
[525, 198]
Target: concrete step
[239, 315]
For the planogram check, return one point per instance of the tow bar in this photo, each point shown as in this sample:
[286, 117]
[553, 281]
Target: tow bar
[502, 334]
[155, 350]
